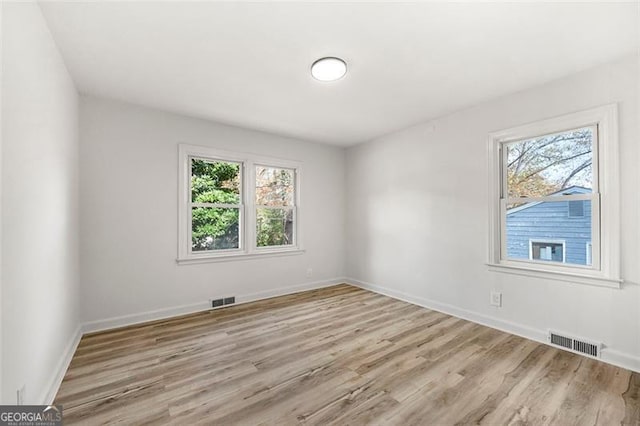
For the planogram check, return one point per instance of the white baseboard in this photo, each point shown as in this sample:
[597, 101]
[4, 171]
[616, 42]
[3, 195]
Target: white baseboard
[621, 359]
[61, 368]
[610, 356]
[159, 314]
[282, 291]
[132, 319]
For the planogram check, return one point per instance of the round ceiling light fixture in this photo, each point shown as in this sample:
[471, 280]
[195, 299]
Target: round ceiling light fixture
[328, 69]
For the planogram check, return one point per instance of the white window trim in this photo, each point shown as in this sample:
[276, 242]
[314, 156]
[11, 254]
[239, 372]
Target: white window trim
[606, 169]
[296, 170]
[589, 253]
[248, 247]
[544, 241]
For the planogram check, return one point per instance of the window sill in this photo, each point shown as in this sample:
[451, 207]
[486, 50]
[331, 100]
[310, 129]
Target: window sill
[572, 277]
[239, 256]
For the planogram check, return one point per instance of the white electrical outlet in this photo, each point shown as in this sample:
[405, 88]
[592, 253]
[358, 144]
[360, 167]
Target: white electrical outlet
[309, 272]
[496, 298]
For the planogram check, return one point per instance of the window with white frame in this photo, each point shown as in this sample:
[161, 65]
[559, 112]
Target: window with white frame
[554, 198]
[236, 205]
[275, 206]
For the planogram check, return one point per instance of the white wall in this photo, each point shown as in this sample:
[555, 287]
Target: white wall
[40, 267]
[129, 199]
[418, 217]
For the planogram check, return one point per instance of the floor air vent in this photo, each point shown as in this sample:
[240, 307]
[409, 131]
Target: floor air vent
[577, 345]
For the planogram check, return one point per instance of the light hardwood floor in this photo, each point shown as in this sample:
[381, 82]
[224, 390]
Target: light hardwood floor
[339, 355]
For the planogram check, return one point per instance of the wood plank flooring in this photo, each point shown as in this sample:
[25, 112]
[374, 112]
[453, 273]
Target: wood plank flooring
[341, 356]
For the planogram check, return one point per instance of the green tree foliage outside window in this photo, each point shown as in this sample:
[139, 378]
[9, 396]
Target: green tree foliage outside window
[275, 227]
[216, 195]
[215, 183]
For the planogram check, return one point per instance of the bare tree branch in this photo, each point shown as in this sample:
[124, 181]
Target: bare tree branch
[554, 164]
[575, 172]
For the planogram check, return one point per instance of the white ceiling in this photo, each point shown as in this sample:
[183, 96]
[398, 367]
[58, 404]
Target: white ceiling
[248, 63]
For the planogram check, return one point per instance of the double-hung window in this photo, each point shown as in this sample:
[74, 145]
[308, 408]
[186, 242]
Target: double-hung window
[236, 205]
[275, 206]
[554, 204]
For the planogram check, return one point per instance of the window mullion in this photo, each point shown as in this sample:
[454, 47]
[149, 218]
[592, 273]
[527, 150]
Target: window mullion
[217, 205]
[552, 198]
[250, 201]
[260, 206]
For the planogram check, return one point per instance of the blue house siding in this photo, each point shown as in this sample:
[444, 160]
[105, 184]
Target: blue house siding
[549, 221]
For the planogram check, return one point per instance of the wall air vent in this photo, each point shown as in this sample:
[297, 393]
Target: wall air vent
[217, 303]
[565, 342]
[574, 344]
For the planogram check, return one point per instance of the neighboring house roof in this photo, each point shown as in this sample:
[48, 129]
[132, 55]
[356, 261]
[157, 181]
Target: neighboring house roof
[566, 191]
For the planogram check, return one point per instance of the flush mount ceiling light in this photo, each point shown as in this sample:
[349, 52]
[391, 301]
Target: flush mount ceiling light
[328, 69]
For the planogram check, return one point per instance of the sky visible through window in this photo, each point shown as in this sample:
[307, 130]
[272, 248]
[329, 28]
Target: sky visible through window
[548, 164]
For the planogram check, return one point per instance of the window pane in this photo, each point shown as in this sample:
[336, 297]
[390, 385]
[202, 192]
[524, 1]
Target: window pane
[215, 228]
[551, 164]
[576, 208]
[548, 221]
[215, 182]
[274, 227]
[547, 251]
[275, 187]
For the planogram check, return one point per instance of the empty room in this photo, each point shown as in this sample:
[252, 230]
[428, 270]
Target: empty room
[320, 213]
